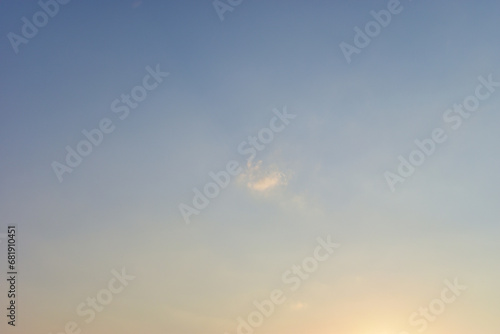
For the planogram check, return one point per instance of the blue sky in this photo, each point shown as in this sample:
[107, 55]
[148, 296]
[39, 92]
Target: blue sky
[322, 175]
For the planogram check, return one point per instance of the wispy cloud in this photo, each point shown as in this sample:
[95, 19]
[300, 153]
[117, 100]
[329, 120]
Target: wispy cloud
[262, 179]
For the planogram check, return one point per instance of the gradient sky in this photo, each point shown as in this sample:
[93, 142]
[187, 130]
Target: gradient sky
[323, 175]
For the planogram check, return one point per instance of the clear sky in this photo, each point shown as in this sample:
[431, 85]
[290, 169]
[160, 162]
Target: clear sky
[324, 173]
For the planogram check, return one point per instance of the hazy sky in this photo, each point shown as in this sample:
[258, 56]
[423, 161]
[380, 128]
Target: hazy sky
[321, 175]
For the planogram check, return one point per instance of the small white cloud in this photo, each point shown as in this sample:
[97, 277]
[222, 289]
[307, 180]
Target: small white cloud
[261, 179]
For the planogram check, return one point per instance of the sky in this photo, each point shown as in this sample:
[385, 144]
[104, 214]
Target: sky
[228, 145]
